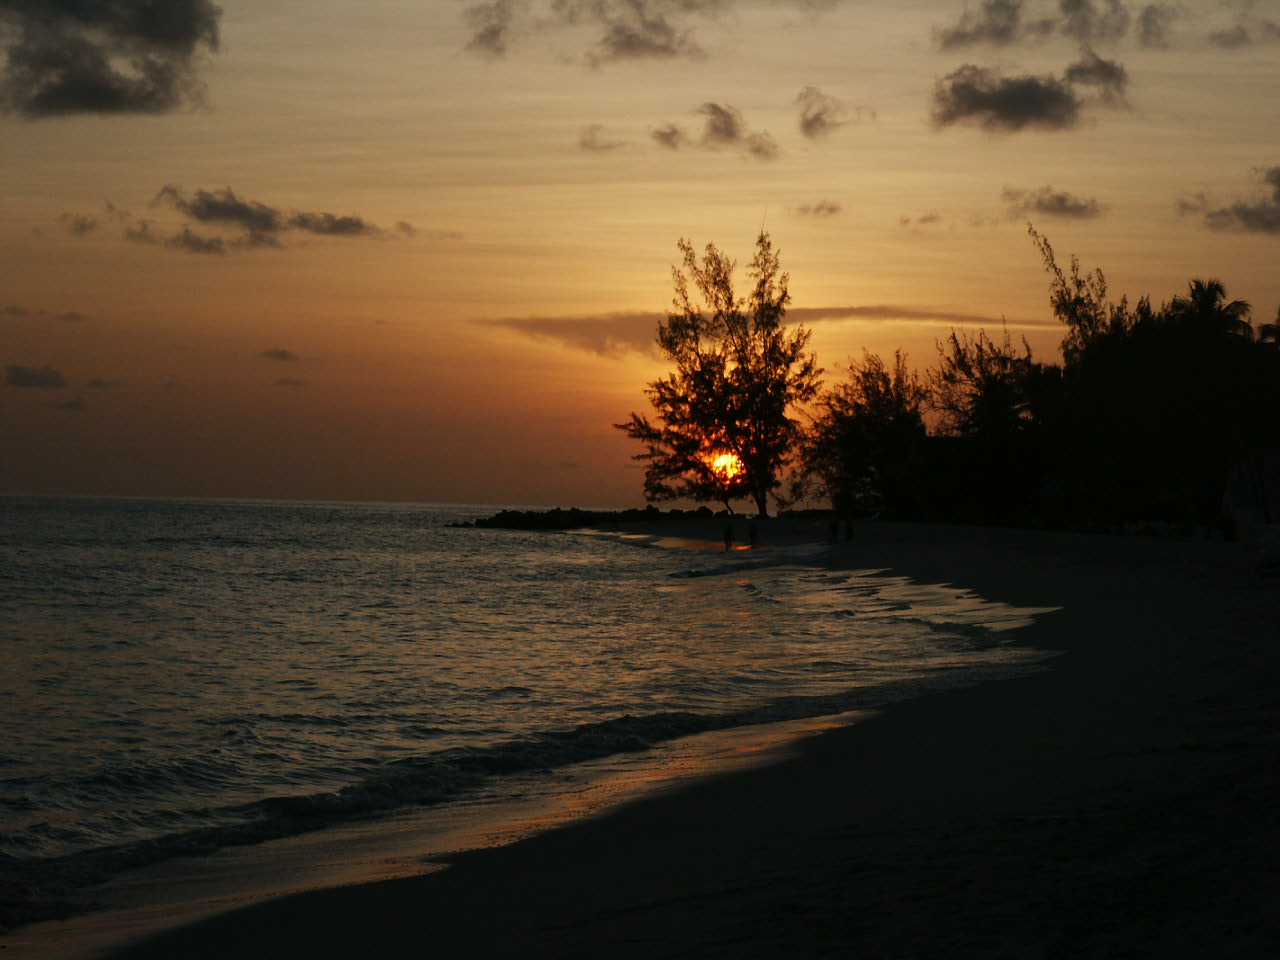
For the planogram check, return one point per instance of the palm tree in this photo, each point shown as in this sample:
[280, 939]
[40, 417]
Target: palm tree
[1206, 306]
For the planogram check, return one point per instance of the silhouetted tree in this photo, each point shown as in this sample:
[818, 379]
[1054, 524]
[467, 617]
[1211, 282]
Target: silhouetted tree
[863, 447]
[723, 426]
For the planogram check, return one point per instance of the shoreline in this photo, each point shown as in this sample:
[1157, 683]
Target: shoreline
[1118, 804]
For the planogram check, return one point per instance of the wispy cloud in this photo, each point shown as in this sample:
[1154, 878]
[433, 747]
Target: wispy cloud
[619, 334]
[821, 114]
[823, 208]
[1003, 23]
[278, 353]
[39, 378]
[617, 29]
[593, 139]
[65, 57]
[723, 127]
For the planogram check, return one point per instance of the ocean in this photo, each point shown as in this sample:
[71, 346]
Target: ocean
[180, 676]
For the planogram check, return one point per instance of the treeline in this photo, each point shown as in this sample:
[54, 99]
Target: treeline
[1139, 422]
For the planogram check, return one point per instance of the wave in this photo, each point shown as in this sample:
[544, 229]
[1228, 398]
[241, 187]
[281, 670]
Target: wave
[39, 887]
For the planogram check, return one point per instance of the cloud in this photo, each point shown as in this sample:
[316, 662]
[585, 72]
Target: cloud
[820, 113]
[1051, 203]
[980, 96]
[40, 378]
[617, 334]
[1003, 23]
[606, 335]
[670, 136]
[592, 139]
[1247, 31]
[12, 311]
[996, 22]
[925, 220]
[1260, 215]
[618, 29]
[1110, 78]
[66, 57]
[71, 317]
[723, 127]
[491, 25]
[78, 223]
[823, 208]
[254, 225]
[278, 353]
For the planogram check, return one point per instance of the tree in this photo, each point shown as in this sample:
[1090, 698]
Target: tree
[867, 434]
[723, 427]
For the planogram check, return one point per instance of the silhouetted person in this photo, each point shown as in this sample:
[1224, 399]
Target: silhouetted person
[728, 537]
[753, 532]
[848, 529]
[833, 529]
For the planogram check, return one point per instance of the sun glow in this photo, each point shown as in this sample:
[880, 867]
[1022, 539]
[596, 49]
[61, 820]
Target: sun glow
[726, 466]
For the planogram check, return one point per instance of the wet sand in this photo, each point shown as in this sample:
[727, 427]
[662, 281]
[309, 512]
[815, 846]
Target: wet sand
[1121, 803]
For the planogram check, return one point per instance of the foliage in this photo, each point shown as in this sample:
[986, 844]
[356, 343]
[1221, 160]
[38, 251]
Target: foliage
[864, 444]
[739, 374]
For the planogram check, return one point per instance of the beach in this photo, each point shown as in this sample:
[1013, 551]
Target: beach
[1120, 803]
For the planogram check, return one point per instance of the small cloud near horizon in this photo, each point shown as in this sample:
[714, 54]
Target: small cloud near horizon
[723, 127]
[615, 335]
[823, 208]
[278, 353]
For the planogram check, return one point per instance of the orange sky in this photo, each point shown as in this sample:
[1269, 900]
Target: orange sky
[415, 251]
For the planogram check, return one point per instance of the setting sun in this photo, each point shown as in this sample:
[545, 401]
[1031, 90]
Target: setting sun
[726, 466]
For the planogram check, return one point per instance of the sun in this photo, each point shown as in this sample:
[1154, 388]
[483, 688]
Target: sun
[726, 466]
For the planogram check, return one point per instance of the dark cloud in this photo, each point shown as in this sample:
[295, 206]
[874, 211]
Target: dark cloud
[1260, 215]
[982, 97]
[255, 225]
[1090, 22]
[192, 242]
[42, 378]
[65, 57]
[278, 353]
[820, 113]
[593, 140]
[71, 403]
[71, 317]
[823, 208]
[723, 127]
[78, 223]
[1051, 203]
[1108, 77]
[996, 22]
[12, 311]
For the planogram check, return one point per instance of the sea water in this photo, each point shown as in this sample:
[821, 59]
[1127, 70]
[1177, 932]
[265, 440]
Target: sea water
[177, 676]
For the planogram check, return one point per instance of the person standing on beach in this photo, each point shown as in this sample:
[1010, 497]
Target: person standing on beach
[728, 537]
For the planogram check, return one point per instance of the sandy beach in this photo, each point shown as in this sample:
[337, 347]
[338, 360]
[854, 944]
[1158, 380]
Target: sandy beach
[1119, 804]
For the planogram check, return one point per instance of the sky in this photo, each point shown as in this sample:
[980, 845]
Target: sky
[417, 251]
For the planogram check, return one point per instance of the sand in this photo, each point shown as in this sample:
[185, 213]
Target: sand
[1121, 804]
